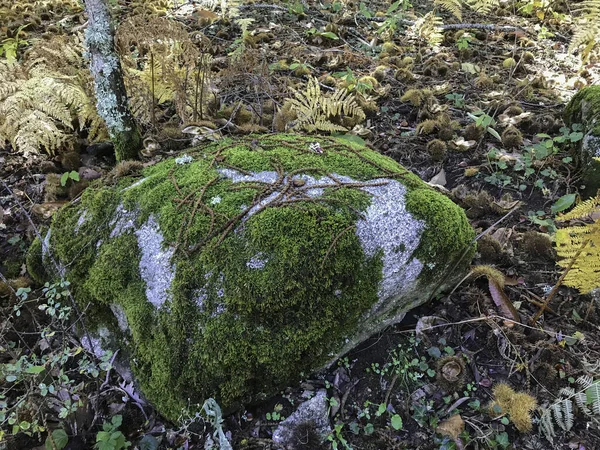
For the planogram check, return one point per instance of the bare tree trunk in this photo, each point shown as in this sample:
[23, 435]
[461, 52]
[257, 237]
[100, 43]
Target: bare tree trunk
[108, 80]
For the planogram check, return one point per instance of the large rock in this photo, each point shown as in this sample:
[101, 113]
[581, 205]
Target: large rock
[240, 268]
[584, 108]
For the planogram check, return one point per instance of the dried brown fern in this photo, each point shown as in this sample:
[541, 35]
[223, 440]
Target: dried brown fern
[455, 6]
[587, 31]
[317, 112]
[429, 28]
[163, 66]
[45, 97]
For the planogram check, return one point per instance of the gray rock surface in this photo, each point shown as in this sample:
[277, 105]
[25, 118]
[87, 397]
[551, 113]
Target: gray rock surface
[314, 410]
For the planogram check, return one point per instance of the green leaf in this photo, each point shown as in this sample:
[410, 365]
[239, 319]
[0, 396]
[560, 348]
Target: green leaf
[563, 203]
[74, 175]
[35, 369]
[576, 136]
[10, 378]
[435, 352]
[502, 439]
[394, 6]
[64, 178]
[117, 420]
[494, 133]
[381, 409]
[60, 438]
[396, 422]
[330, 35]
[148, 442]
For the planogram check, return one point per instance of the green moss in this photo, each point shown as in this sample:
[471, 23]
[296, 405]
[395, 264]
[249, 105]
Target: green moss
[230, 330]
[447, 235]
[12, 268]
[33, 260]
[584, 108]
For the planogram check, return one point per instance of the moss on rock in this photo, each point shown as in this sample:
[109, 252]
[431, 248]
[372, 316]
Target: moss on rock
[584, 108]
[231, 272]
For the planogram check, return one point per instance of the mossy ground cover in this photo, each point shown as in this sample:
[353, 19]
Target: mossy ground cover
[229, 329]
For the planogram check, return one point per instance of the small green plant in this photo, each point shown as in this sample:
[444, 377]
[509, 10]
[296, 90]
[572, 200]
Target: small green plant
[486, 122]
[337, 438]
[322, 34]
[463, 41]
[458, 100]
[238, 47]
[535, 165]
[72, 175]
[51, 376]
[276, 414]
[353, 83]
[296, 8]
[394, 18]
[10, 46]
[301, 67]
[110, 438]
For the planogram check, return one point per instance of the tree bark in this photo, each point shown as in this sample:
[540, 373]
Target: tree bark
[108, 82]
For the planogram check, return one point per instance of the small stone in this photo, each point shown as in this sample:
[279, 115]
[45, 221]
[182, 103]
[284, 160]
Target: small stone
[315, 411]
[85, 173]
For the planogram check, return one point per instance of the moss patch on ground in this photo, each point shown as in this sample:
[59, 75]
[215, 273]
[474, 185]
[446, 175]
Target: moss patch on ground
[261, 295]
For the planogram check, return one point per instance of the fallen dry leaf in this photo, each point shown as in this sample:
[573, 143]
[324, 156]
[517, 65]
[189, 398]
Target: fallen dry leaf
[451, 427]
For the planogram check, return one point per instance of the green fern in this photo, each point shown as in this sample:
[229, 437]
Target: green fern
[561, 412]
[316, 112]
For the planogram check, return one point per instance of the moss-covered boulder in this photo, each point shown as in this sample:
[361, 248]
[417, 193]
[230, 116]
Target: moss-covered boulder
[238, 268]
[584, 108]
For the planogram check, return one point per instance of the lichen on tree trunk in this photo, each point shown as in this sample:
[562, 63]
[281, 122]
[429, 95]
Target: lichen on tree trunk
[108, 81]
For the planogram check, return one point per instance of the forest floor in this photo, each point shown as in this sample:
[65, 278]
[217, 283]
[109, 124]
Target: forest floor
[436, 371]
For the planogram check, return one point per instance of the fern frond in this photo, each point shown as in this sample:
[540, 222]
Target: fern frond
[482, 6]
[561, 411]
[585, 381]
[429, 27]
[171, 66]
[593, 397]
[587, 31]
[316, 112]
[44, 95]
[579, 247]
[592, 367]
[452, 6]
[547, 425]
